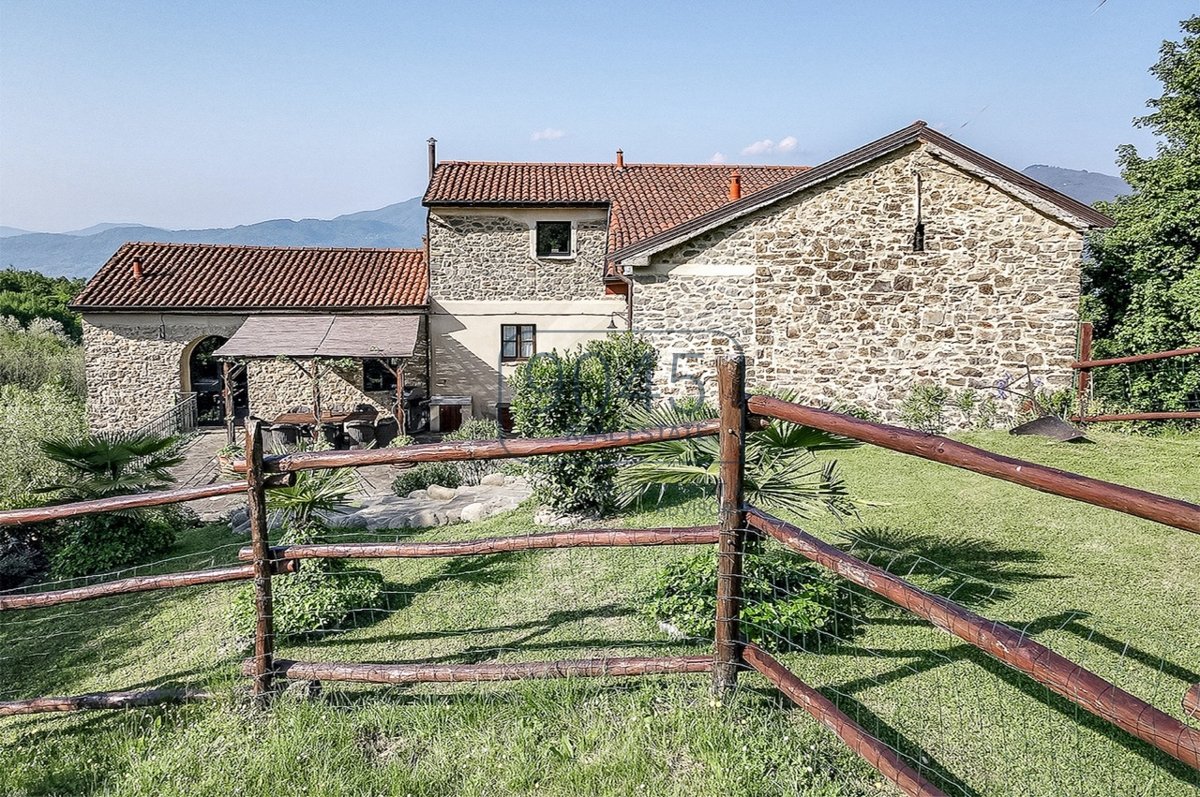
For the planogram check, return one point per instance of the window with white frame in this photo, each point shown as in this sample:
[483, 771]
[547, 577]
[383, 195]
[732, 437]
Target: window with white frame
[553, 239]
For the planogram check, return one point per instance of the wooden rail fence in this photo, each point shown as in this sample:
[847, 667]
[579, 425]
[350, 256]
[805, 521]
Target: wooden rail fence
[1083, 381]
[736, 521]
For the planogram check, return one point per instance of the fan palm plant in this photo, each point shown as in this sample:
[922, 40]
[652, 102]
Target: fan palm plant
[782, 470]
[102, 465]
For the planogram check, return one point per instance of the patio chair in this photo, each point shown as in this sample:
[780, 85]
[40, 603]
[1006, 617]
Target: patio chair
[285, 435]
[359, 434]
[331, 433]
[386, 429]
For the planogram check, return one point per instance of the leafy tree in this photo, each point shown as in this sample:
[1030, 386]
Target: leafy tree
[1142, 284]
[29, 295]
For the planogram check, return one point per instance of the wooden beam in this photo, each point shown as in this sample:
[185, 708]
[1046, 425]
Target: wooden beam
[1136, 358]
[1168, 511]
[492, 671]
[731, 376]
[218, 575]
[884, 759]
[264, 628]
[578, 538]
[1060, 675]
[98, 700]
[480, 449]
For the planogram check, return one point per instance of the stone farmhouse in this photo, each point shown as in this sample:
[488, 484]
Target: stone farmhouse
[911, 259]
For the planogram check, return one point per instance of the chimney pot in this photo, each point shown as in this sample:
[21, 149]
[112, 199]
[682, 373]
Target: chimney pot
[432, 142]
[137, 268]
[735, 185]
[620, 159]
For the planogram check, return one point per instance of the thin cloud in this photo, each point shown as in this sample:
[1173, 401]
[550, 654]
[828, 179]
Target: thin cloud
[547, 134]
[767, 146]
[717, 158]
[759, 147]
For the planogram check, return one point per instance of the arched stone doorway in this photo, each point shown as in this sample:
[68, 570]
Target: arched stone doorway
[205, 379]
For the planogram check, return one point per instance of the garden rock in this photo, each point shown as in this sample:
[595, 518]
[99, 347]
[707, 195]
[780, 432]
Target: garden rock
[493, 480]
[439, 493]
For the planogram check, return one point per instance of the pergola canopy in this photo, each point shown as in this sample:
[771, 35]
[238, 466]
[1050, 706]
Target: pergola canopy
[357, 336]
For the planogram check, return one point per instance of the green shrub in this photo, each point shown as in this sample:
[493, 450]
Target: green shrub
[39, 353]
[423, 475]
[471, 472]
[326, 594]
[924, 408]
[581, 392]
[89, 544]
[788, 603]
[25, 417]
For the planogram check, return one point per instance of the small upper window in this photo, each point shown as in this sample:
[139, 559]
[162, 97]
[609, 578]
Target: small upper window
[517, 341]
[554, 239]
[377, 377]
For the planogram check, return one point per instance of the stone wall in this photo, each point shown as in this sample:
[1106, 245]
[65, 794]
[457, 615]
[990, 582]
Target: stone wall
[476, 256]
[844, 310]
[135, 365]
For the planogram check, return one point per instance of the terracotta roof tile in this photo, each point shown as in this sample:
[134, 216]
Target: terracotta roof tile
[227, 277]
[645, 198]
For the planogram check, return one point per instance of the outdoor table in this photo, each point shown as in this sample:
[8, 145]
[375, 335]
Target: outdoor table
[336, 418]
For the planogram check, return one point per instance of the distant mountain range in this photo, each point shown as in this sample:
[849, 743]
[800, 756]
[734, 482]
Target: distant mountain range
[1088, 187]
[80, 253]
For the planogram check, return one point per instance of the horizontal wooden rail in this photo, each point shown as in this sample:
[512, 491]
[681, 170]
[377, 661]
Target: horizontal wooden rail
[883, 758]
[42, 514]
[1138, 416]
[1134, 358]
[1060, 675]
[1168, 511]
[37, 600]
[497, 671]
[95, 700]
[578, 538]
[479, 449]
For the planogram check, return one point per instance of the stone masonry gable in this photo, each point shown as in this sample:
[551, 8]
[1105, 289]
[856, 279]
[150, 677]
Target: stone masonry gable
[823, 292]
[477, 256]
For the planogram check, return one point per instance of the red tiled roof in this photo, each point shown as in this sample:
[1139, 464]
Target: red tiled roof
[644, 198]
[227, 277]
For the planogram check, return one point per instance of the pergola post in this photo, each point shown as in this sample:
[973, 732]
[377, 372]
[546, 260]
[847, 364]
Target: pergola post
[399, 411]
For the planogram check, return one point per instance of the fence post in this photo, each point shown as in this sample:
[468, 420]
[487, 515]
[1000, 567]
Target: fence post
[1085, 374]
[264, 631]
[731, 382]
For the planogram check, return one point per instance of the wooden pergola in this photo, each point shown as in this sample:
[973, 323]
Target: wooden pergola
[308, 341]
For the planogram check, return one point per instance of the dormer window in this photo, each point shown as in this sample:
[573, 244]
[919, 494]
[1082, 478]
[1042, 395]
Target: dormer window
[554, 239]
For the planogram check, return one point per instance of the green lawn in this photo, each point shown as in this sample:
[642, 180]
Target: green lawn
[1119, 595]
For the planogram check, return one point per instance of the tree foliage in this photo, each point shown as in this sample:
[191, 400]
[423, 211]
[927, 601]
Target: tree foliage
[1142, 281]
[29, 295]
[586, 391]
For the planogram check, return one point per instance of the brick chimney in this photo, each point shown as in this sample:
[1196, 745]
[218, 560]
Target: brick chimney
[137, 268]
[620, 159]
[735, 185]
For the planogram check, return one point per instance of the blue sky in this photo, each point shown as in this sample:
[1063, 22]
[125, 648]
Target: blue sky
[215, 113]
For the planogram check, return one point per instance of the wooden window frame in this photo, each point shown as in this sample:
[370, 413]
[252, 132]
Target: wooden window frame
[517, 340]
